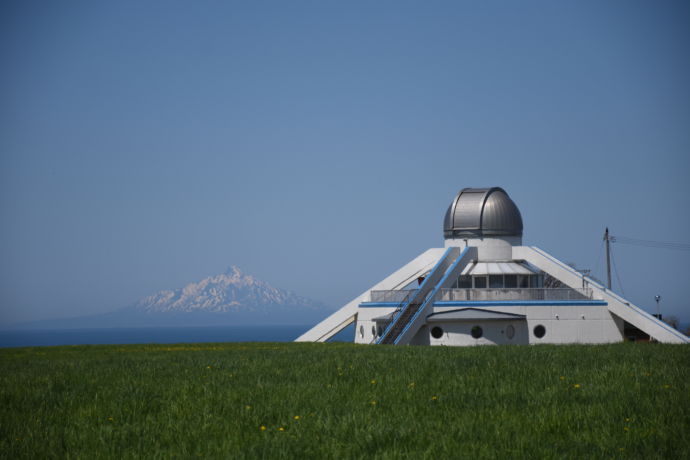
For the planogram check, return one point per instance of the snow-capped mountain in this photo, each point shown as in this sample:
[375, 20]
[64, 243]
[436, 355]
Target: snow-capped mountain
[232, 291]
[229, 299]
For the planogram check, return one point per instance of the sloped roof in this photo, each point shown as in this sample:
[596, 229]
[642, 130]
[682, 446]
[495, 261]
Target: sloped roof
[497, 268]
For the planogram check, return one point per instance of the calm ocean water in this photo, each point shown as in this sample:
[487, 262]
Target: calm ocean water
[49, 337]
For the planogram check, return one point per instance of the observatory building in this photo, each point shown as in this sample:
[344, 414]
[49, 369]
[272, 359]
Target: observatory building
[484, 287]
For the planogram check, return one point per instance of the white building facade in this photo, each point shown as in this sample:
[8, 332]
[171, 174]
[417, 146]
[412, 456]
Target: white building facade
[484, 287]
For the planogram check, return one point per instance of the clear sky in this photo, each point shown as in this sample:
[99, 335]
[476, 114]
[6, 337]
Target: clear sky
[316, 145]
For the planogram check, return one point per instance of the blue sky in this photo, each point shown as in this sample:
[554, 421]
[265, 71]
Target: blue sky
[145, 145]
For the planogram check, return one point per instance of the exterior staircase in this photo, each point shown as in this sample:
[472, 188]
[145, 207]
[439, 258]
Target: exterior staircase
[399, 323]
[406, 323]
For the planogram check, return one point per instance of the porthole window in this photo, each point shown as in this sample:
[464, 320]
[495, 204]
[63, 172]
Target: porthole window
[361, 332]
[510, 332]
[477, 332]
[539, 331]
[436, 332]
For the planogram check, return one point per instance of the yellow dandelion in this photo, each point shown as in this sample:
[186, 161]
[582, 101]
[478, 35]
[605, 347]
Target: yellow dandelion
[410, 385]
[667, 386]
[627, 419]
[562, 378]
[262, 427]
[281, 429]
[577, 385]
[247, 407]
[110, 418]
[373, 403]
[625, 428]
[434, 398]
[208, 367]
[296, 417]
[373, 382]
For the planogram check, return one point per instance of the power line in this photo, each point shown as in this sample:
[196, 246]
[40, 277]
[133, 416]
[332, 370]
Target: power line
[615, 269]
[651, 243]
[599, 257]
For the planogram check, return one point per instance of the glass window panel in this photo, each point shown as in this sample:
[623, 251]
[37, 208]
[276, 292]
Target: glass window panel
[480, 282]
[496, 281]
[523, 281]
[511, 281]
[465, 282]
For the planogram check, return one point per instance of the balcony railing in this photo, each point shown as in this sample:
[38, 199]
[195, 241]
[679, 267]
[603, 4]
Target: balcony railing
[446, 295]
[513, 294]
[391, 296]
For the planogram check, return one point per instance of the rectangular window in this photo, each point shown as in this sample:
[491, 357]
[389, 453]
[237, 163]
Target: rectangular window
[496, 281]
[511, 281]
[480, 282]
[465, 282]
[535, 281]
[523, 281]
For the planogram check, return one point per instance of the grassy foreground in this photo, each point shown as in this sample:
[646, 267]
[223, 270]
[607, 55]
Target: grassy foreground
[270, 400]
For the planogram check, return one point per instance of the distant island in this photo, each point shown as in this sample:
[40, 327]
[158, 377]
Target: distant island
[229, 298]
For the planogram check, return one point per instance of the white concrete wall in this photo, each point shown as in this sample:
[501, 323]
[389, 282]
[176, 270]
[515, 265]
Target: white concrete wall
[422, 337]
[563, 324]
[488, 249]
[616, 304]
[459, 333]
[365, 321]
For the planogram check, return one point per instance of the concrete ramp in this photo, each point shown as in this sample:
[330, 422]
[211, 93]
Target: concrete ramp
[348, 313]
[617, 305]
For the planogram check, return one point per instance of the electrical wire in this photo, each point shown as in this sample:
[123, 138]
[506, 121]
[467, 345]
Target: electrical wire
[600, 256]
[615, 269]
[651, 243]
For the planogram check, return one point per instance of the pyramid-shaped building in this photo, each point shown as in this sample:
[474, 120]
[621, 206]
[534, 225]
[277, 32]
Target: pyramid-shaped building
[485, 287]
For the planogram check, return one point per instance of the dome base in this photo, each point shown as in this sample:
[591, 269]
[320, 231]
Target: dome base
[488, 249]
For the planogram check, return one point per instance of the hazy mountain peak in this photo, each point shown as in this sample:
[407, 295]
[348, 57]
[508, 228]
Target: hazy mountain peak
[232, 291]
[234, 270]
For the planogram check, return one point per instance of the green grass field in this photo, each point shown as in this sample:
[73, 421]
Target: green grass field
[288, 400]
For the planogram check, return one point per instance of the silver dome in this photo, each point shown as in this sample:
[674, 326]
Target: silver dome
[481, 212]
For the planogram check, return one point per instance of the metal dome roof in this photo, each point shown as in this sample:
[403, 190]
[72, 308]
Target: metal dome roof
[480, 212]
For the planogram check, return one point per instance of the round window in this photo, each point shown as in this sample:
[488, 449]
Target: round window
[477, 332]
[510, 332]
[539, 331]
[436, 332]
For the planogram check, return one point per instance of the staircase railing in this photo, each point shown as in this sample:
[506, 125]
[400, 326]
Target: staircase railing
[410, 308]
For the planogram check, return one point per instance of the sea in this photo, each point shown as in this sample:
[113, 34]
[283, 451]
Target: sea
[147, 335]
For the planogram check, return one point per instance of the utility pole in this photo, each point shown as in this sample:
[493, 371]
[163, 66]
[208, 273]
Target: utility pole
[658, 310]
[608, 257]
